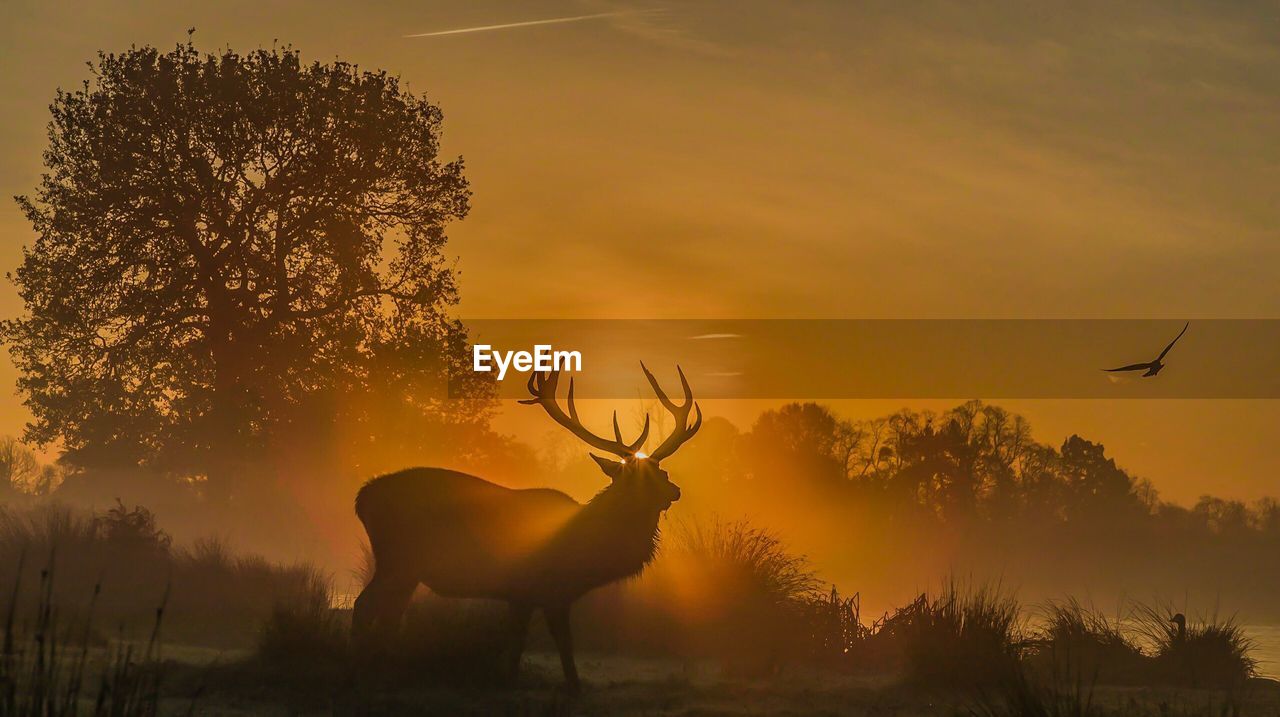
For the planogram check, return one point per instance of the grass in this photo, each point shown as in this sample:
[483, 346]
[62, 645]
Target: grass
[751, 557]
[43, 671]
[724, 590]
[1023, 695]
[1211, 652]
[833, 632]
[1085, 644]
[736, 592]
[214, 596]
[962, 635]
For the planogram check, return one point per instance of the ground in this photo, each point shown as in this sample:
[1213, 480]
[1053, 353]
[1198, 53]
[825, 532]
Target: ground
[635, 687]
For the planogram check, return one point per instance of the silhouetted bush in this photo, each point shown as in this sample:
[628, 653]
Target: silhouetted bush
[729, 590]
[960, 636]
[214, 596]
[303, 627]
[1210, 652]
[1087, 645]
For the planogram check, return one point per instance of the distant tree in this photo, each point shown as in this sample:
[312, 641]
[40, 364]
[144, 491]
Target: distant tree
[219, 239]
[1094, 482]
[1266, 515]
[1222, 516]
[797, 443]
[19, 467]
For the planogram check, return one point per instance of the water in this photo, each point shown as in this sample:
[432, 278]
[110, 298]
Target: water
[1266, 648]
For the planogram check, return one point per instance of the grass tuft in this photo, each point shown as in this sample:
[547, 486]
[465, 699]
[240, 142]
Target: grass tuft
[1086, 644]
[1209, 652]
[961, 636]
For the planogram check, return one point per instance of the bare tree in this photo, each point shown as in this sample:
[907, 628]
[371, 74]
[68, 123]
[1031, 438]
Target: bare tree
[19, 467]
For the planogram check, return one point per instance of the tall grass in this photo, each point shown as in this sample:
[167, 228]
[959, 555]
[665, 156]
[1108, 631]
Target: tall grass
[215, 597]
[747, 557]
[1085, 644]
[736, 592]
[959, 636]
[43, 671]
[1211, 652]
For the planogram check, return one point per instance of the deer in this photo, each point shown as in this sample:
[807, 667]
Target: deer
[534, 548]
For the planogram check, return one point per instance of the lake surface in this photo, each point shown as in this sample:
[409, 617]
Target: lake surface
[1266, 648]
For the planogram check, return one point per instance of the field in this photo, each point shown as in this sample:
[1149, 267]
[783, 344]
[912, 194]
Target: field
[118, 620]
[663, 686]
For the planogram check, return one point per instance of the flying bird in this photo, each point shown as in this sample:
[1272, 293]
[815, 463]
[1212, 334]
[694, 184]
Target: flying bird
[1152, 367]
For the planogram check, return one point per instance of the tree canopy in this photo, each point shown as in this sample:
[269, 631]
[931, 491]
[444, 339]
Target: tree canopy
[219, 239]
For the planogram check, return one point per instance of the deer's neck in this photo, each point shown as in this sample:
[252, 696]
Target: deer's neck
[624, 530]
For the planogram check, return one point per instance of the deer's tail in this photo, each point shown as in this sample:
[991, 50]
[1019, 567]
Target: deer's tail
[362, 502]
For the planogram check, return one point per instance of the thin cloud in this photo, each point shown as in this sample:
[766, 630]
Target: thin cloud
[704, 337]
[531, 23]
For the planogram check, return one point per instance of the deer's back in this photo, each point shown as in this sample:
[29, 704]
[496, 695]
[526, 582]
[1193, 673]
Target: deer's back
[459, 534]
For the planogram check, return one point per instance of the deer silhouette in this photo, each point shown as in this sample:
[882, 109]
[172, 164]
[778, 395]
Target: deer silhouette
[536, 548]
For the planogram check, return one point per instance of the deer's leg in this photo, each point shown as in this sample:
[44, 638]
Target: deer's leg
[363, 612]
[380, 606]
[558, 623]
[519, 621]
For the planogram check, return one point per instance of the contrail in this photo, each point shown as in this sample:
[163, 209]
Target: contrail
[529, 23]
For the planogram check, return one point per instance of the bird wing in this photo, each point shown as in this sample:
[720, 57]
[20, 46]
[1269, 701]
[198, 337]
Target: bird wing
[1130, 367]
[1175, 340]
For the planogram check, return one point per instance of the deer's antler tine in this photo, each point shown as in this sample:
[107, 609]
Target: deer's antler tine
[644, 435]
[657, 390]
[684, 383]
[573, 409]
[533, 390]
[680, 413]
[542, 388]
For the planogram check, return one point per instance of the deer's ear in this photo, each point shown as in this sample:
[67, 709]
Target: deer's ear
[613, 469]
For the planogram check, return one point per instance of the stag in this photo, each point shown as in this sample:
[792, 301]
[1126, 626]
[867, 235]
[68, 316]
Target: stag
[537, 548]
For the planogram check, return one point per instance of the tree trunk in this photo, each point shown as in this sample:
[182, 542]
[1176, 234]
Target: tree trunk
[227, 460]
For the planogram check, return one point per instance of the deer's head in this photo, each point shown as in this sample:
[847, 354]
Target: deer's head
[633, 472]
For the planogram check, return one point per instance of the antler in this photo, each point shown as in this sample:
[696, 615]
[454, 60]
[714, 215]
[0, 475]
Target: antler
[543, 389]
[683, 430]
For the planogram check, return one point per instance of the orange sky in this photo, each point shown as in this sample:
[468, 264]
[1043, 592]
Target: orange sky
[753, 159]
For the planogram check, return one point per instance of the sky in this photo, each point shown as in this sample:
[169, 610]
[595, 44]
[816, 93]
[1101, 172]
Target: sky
[747, 159]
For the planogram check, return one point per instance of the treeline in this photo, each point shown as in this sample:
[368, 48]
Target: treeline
[882, 505]
[973, 462]
[889, 502]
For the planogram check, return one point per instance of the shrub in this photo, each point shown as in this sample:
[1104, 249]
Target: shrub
[215, 597]
[222, 598]
[131, 529]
